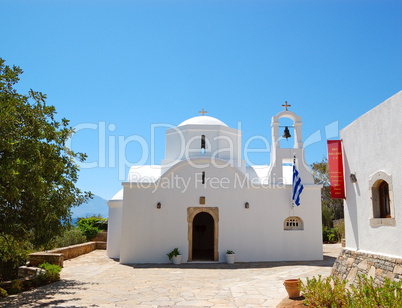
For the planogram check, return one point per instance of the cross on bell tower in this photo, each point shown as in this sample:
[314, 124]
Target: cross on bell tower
[286, 105]
[202, 111]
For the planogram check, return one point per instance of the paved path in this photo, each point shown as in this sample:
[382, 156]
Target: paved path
[93, 280]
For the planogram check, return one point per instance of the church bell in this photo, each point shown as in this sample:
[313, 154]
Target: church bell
[286, 133]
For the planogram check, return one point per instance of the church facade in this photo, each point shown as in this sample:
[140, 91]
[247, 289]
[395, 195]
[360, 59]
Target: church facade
[205, 200]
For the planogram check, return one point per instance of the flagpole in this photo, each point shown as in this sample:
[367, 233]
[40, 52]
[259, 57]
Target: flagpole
[291, 190]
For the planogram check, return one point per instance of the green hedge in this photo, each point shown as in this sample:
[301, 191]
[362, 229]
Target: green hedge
[91, 226]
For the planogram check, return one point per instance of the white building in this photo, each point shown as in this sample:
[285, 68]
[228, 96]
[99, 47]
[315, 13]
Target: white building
[373, 206]
[204, 200]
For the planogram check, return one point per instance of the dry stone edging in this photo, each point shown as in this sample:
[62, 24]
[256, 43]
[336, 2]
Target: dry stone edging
[59, 255]
[350, 264]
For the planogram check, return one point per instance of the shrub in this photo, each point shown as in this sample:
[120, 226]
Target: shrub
[102, 224]
[91, 226]
[52, 271]
[13, 254]
[16, 287]
[320, 293]
[3, 293]
[327, 215]
[330, 235]
[331, 292]
[69, 237]
[52, 274]
[367, 294]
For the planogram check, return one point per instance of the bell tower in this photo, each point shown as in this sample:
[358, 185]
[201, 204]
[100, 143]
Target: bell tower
[281, 158]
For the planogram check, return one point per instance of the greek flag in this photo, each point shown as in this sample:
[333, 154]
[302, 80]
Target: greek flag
[297, 186]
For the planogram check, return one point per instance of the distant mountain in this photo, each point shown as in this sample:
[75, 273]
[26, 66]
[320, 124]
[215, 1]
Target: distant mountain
[95, 206]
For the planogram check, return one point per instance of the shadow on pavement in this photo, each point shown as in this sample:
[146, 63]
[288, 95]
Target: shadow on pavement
[34, 297]
[327, 262]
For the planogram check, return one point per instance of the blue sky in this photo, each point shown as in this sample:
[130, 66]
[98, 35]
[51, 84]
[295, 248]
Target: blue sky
[131, 64]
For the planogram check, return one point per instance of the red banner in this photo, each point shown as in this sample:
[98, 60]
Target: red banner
[335, 165]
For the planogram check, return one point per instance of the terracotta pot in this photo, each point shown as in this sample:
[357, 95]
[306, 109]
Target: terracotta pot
[292, 287]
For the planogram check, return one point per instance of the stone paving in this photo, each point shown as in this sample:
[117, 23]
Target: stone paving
[93, 280]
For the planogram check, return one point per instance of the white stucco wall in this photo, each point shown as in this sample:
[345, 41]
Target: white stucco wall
[255, 234]
[372, 143]
[184, 142]
[114, 225]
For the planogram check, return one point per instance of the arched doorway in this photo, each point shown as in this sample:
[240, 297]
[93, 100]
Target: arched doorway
[213, 213]
[203, 237]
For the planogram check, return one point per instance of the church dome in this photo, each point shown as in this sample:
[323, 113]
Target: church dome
[203, 120]
[118, 196]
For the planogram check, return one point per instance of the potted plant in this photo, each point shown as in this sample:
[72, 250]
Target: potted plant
[175, 256]
[230, 256]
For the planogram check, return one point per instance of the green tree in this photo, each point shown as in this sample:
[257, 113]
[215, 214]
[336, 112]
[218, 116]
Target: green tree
[37, 171]
[331, 208]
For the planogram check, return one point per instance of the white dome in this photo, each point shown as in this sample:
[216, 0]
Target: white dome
[203, 120]
[118, 196]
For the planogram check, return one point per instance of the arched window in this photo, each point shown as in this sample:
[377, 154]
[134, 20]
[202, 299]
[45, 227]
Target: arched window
[293, 223]
[381, 200]
[384, 200]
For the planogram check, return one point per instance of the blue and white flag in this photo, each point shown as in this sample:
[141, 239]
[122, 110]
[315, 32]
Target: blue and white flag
[297, 186]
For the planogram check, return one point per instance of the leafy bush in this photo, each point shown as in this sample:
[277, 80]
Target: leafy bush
[69, 237]
[367, 294]
[13, 254]
[16, 287]
[331, 292]
[320, 293]
[102, 224]
[91, 226]
[330, 235]
[52, 271]
[327, 215]
[3, 293]
[52, 274]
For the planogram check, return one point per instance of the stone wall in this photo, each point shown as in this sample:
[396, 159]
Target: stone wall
[26, 271]
[101, 237]
[57, 256]
[350, 263]
[37, 258]
[75, 250]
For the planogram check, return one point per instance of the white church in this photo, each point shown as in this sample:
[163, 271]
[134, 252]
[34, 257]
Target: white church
[205, 200]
